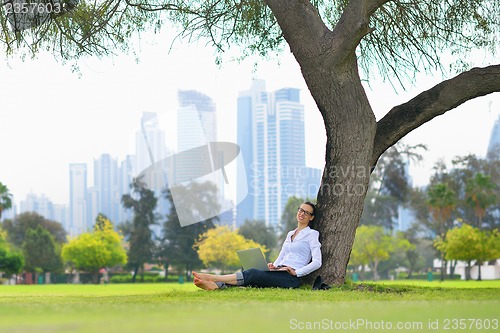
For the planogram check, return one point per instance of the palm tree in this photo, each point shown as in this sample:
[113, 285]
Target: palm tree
[479, 194]
[442, 201]
[5, 199]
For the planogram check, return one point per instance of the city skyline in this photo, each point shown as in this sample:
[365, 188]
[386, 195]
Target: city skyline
[52, 117]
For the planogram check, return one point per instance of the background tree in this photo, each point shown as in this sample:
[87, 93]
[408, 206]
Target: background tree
[390, 187]
[5, 199]
[217, 248]
[141, 245]
[480, 195]
[176, 247]
[260, 233]
[468, 243]
[331, 42]
[92, 251]
[41, 252]
[11, 262]
[289, 217]
[16, 229]
[442, 201]
[373, 245]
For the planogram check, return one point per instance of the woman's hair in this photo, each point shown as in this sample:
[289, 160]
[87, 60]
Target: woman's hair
[313, 206]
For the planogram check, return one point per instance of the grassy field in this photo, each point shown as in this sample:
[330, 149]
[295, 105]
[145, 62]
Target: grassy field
[399, 306]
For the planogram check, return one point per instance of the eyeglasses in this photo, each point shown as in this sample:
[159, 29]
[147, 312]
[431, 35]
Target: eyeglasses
[305, 212]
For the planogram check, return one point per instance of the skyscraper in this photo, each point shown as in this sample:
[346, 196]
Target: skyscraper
[196, 127]
[495, 137]
[195, 108]
[150, 148]
[272, 140]
[106, 186]
[149, 142]
[77, 199]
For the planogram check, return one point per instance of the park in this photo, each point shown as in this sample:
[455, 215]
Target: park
[405, 306]
[342, 47]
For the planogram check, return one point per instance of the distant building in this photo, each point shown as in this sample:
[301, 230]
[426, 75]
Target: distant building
[271, 136]
[78, 222]
[495, 137]
[41, 205]
[106, 187]
[125, 179]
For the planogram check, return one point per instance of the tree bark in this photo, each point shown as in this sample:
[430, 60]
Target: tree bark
[354, 139]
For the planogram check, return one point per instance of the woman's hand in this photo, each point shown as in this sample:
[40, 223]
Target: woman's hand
[289, 269]
[271, 266]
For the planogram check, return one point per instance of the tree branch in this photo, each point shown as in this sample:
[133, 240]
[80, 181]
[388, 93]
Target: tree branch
[353, 26]
[445, 96]
[303, 29]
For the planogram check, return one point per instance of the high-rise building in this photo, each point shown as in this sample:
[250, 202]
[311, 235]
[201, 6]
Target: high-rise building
[495, 137]
[196, 127]
[150, 148]
[106, 186]
[125, 178]
[77, 199]
[272, 140]
[195, 109]
[149, 142]
[41, 205]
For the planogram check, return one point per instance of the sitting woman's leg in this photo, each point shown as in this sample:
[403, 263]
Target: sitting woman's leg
[257, 278]
[231, 279]
[251, 277]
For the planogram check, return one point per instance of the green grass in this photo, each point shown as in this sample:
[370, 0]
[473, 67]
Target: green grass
[184, 308]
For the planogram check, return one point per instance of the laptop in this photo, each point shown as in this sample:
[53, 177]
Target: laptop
[253, 258]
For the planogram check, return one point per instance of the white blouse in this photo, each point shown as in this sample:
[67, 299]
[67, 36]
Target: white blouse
[303, 253]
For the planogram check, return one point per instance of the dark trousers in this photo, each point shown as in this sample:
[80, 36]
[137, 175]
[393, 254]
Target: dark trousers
[256, 278]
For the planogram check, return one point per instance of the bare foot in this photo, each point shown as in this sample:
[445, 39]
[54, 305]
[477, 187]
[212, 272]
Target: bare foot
[201, 276]
[204, 284]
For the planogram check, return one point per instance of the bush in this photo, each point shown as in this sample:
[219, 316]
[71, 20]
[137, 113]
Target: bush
[148, 278]
[420, 276]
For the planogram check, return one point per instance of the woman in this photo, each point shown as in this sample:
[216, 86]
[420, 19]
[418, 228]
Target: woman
[299, 256]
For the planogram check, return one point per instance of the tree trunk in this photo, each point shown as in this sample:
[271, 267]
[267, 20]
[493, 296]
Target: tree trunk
[444, 264]
[166, 270]
[479, 264]
[355, 140]
[453, 264]
[136, 269]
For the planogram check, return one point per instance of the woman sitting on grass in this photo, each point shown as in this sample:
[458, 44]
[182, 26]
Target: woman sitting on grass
[299, 256]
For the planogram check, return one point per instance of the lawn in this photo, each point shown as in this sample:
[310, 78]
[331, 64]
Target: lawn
[400, 306]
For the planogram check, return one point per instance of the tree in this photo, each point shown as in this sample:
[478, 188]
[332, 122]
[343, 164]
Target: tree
[176, 246]
[5, 199]
[468, 243]
[373, 245]
[141, 244]
[92, 251]
[11, 262]
[17, 228]
[259, 233]
[41, 252]
[389, 187]
[331, 41]
[217, 247]
[442, 201]
[480, 195]
[289, 216]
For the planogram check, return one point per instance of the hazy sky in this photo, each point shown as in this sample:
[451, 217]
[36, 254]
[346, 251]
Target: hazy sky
[50, 117]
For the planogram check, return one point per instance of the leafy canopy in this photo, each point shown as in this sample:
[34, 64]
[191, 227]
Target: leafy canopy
[405, 34]
[217, 247]
[92, 251]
